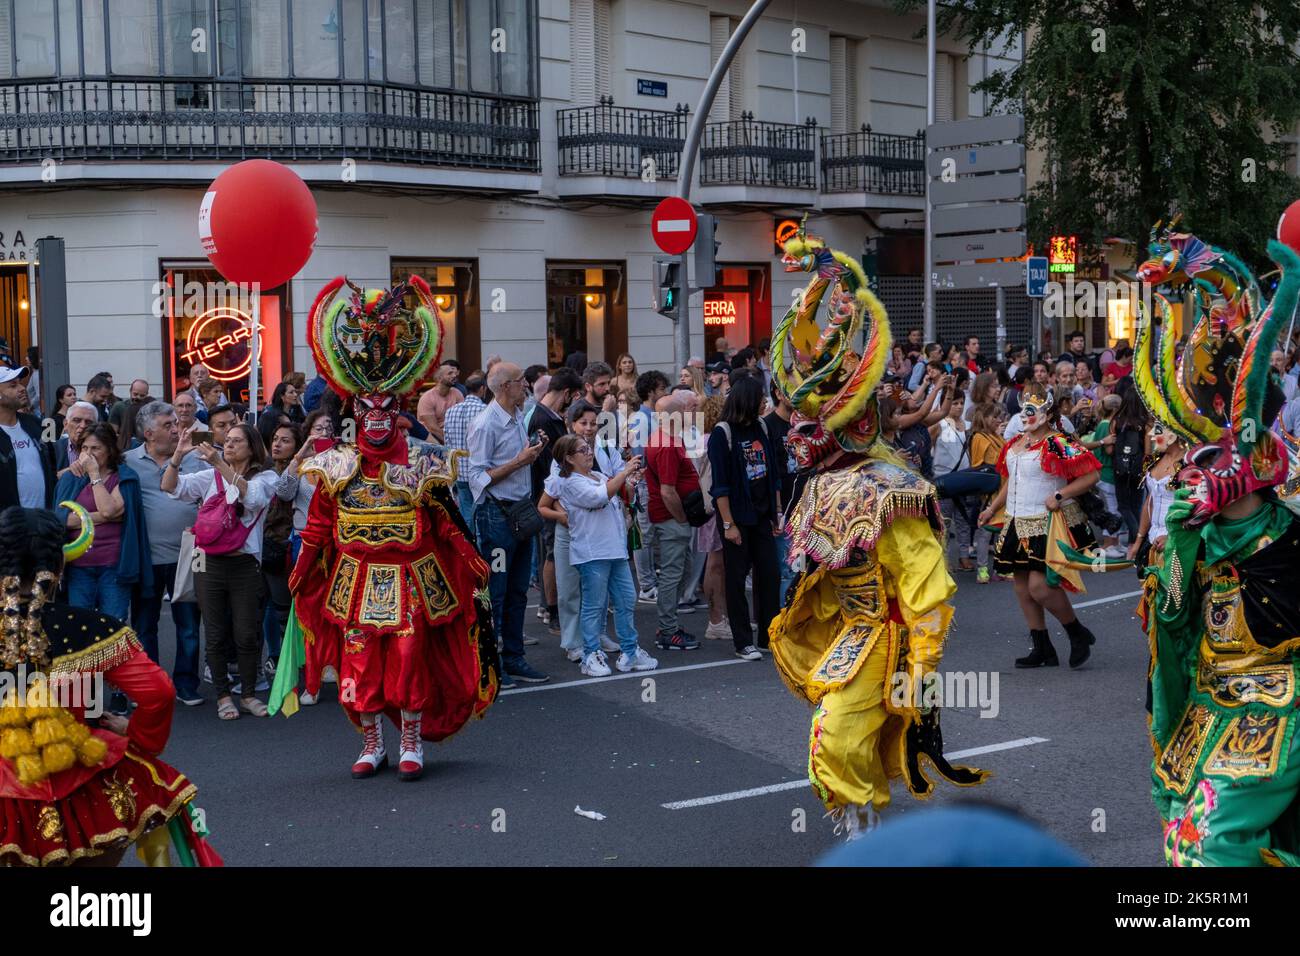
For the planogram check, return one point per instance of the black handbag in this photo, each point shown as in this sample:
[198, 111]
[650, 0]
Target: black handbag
[522, 518]
[696, 514]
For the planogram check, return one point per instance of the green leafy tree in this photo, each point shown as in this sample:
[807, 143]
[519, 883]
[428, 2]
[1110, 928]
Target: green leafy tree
[1141, 108]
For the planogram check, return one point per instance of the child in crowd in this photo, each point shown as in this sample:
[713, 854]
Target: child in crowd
[987, 422]
[1100, 442]
[598, 549]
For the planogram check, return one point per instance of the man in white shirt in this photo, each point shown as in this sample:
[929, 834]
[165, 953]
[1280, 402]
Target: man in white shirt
[26, 462]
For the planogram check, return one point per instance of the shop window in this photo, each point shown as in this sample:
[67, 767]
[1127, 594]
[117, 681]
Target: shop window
[208, 320]
[738, 308]
[586, 311]
[454, 285]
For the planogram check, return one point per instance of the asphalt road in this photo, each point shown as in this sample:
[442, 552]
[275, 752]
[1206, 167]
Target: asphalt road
[644, 749]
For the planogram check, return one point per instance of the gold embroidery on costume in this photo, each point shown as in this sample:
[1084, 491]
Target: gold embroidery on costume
[50, 824]
[333, 467]
[434, 587]
[1178, 762]
[120, 798]
[1250, 747]
[1225, 622]
[846, 655]
[381, 601]
[344, 584]
[1274, 686]
[377, 528]
[846, 510]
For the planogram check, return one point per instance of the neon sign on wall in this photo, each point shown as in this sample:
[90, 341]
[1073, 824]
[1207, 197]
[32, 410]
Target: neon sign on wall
[220, 352]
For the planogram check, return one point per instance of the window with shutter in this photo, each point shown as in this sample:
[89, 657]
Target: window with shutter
[589, 50]
[944, 87]
[719, 34]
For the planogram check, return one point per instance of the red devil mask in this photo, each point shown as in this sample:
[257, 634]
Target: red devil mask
[809, 441]
[1218, 475]
[377, 416]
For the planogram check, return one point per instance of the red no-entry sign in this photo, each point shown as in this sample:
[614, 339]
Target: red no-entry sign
[673, 225]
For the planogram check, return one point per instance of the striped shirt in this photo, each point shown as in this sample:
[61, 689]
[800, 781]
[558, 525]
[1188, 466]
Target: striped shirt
[455, 426]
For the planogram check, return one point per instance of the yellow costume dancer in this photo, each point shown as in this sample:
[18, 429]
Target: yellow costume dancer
[865, 623]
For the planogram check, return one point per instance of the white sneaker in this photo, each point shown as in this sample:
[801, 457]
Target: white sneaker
[575, 655]
[608, 646]
[648, 596]
[718, 632]
[640, 661]
[329, 675]
[593, 666]
[749, 653]
[308, 699]
[1116, 552]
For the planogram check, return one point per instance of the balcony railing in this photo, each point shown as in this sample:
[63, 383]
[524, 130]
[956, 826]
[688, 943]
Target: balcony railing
[151, 119]
[870, 162]
[622, 141]
[749, 152]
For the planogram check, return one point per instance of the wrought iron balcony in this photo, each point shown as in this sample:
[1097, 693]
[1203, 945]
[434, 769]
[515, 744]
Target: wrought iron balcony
[176, 120]
[750, 152]
[620, 141]
[868, 162]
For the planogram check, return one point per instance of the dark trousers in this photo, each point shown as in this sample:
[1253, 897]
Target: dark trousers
[511, 563]
[229, 589]
[757, 550]
[145, 612]
[1129, 499]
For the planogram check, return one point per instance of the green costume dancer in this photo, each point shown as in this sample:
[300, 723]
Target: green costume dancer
[1222, 610]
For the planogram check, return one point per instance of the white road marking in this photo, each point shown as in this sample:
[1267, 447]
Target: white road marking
[588, 681]
[796, 784]
[1108, 600]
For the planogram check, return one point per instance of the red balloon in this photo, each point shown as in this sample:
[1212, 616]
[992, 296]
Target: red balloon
[1288, 226]
[258, 223]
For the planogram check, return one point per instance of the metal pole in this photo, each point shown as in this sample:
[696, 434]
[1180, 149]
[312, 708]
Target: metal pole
[257, 356]
[682, 339]
[1000, 309]
[927, 318]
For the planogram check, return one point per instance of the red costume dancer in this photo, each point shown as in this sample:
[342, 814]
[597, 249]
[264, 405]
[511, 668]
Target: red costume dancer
[389, 589]
[76, 788]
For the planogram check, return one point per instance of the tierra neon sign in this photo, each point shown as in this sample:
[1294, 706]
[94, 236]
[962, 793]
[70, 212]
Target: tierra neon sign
[211, 353]
[719, 312]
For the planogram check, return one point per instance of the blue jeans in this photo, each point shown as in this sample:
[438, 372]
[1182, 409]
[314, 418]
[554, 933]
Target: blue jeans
[511, 563]
[147, 610]
[465, 498]
[782, 554]
[99, 590]
[604, 581]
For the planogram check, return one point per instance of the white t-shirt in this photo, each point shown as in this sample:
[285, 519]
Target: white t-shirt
[31, 477]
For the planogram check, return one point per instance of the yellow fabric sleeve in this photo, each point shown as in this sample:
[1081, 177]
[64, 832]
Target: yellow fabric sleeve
[914, 562]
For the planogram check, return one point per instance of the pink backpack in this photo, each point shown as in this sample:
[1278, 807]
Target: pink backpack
[218, 530]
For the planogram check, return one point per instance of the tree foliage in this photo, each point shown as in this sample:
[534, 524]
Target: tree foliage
[1142, 107]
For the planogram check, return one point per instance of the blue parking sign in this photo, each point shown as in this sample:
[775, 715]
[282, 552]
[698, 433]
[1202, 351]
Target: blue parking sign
[1036, 277]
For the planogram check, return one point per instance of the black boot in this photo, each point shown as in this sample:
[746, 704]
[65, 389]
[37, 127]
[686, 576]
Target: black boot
[1081, 640]
[1043, 653]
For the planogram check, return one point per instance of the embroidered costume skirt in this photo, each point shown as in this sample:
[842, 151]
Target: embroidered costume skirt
[1023, 544]
[107, 812]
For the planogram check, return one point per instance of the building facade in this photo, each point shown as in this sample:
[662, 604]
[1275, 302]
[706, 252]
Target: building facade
[509, 151]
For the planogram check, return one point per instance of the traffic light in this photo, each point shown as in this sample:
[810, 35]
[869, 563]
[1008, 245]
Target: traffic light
[666, 288]
[704, 275]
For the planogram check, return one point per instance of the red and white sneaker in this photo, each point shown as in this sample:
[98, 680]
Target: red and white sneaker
[373, 756]
[410, 765]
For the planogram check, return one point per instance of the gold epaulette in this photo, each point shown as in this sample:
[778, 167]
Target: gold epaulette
[846, 509]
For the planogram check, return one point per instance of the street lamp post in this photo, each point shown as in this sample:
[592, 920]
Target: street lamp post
[682, 338]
